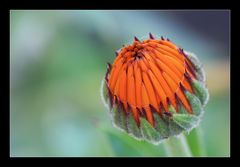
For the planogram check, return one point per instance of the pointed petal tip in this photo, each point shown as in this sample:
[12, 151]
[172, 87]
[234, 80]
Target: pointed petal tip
[139, 112]
[161, 106]
[144, 113]
[168, 101]
[106, 78]
[115, 100]
[128, 106]
[187, 76]
[168, 114]
[122, 106]
[151, 36]
[136, 39]
[180, 50]
[108, 70]
[109, 65]
[152, 108]
[182, 87]
[177, 99]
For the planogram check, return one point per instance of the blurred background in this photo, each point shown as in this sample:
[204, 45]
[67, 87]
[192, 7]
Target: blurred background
[57, 62]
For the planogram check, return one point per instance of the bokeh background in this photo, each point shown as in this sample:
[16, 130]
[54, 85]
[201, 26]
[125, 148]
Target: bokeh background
[57, 62]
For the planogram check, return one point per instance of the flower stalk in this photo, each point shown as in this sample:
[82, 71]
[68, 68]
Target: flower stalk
[177, 147]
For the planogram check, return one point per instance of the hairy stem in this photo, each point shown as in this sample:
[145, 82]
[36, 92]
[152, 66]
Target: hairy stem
[195, 140]
[177, 146]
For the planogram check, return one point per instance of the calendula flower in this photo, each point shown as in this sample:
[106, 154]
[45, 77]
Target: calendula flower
[154, 89]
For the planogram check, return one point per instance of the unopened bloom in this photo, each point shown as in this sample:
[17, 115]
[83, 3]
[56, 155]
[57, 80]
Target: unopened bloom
[154, 89]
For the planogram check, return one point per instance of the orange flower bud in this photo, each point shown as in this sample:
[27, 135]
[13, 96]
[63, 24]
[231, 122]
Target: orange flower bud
[154, 78]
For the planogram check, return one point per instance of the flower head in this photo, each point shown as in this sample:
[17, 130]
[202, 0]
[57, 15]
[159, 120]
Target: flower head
[154, 89]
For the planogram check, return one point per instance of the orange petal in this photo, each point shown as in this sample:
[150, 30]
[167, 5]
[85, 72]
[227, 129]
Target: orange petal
[169, 63]
[158, 89]
[142, 65]
[171, 51]
[166, 69]
[187, 85]
[123, 89]
[169, 44]
[114, 74]
[150, 90]
[135, 115]
[176, 89]
[131, 87]
[145, 99]
[145, 102]
[138, 82]
[178, 65]
[167, 53]
[149, 115]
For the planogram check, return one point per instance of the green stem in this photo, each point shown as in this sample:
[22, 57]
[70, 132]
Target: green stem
[195, 140]
[177, 146]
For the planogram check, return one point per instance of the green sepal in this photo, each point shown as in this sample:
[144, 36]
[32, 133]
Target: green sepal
[132, 126]
[195, 103]
[182, 109]
[148, 131]
[200, 74]
[186, 121]
[171, 109]
[161, 126]
[104, 95]
[198, 66]
[119, 118]
[174, 128]
[201, 91]
[105, 92]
